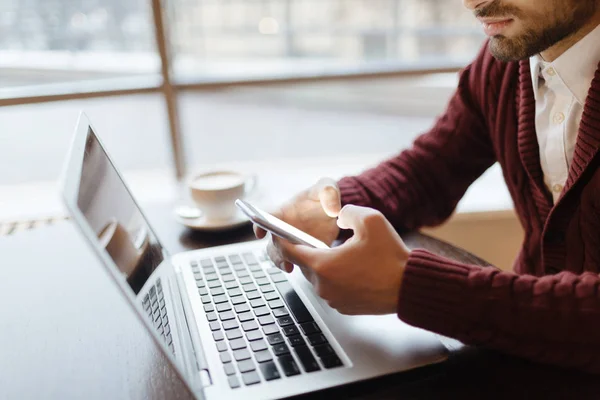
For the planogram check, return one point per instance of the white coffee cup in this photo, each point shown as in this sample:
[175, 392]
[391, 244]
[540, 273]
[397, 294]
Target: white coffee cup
[215, 192]
[120, 246]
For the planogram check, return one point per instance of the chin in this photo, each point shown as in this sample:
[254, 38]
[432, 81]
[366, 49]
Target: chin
[507, 49]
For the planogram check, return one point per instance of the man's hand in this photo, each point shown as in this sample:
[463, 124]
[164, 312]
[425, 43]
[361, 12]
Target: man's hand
[362, 276]
[313, 211]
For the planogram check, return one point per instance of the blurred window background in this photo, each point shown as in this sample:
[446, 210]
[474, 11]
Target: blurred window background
[243, 79]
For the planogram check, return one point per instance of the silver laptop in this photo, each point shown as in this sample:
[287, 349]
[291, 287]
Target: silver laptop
[232, 325]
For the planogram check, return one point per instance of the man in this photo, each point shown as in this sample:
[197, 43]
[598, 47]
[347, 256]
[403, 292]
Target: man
[530, 101]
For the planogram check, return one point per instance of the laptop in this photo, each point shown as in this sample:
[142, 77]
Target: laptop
[230, 323]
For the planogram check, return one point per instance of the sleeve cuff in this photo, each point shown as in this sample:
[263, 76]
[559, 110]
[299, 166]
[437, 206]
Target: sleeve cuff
[436, 295]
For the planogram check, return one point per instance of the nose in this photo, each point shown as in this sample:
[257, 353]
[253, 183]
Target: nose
[475, 4]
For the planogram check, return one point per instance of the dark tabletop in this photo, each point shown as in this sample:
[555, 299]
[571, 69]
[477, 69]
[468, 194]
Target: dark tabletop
[66, 332]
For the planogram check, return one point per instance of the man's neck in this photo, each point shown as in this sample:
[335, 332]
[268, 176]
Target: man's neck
[559, 48]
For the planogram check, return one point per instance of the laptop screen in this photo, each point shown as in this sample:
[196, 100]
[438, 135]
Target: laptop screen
[115, 218]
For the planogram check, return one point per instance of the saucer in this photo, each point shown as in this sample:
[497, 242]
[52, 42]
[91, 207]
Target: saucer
[203, 224]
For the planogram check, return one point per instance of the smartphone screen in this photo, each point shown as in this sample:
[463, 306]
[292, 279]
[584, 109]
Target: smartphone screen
[279, 227]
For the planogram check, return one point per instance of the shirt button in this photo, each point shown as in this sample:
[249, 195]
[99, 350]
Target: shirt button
[558, 118]
[551, 71]
[557, 188]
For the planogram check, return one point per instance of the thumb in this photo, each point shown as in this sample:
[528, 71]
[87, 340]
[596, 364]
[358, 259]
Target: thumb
[353, 217]
[328, 194]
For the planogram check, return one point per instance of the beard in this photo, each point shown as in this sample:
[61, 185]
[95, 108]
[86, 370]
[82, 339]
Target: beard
[546, 28]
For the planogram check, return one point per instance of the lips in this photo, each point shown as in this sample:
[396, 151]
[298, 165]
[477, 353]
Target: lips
[494, 26]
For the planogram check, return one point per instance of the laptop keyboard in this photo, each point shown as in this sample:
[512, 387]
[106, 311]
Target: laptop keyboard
[260, 326]
[154, 304]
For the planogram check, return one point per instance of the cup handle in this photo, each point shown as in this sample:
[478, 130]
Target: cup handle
[250, 185]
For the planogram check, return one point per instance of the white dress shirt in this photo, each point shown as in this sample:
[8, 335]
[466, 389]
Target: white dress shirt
[561, 88]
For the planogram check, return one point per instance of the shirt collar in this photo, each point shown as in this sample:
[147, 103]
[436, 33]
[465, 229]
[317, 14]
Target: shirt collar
[576, 66]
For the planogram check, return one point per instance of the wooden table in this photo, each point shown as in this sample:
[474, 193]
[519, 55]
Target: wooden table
[66, 332]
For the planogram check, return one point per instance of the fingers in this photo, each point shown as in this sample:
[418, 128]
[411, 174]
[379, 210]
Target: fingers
[259, 232]
[355, 218]
[327, 192]
[277, 258]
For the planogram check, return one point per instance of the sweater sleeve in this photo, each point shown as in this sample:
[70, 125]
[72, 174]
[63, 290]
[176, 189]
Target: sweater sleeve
[422, 185]
[553, 319]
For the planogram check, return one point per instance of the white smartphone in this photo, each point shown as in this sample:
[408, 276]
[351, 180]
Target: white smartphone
[278, 227]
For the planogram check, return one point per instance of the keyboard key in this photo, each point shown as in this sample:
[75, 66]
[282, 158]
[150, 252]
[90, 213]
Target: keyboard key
[246, 366]
[217, 291]
[275, 338]
[285, 321]
[219, 299]
[225, 271]
[237, 344]
[245, 280]
[253, 295]
[220, 259]
[269, 371]
[209, 270]
[214, 284]
[249, 258]
[211, 277]
[206, 263]
[241, 308]
[233, 334]
[273, 271]
[218, 335]
[316, 339]
[307, 360]
[238, 300]
[231, 285]
[211, 316]
[291, 330]
[271, 296]
[267, 288]
[254, 335]
[235, 259]
[250, 378]
[229, 279]
[331, 361]
[324, 350]
[209, 308]
[205, 299]
[249, 326]
[270, 329]
[263, 356]
[240, 270]
[288, 365]
[200, 284]
[279, 349]
[258, 345]
[225, 357]
[229, 369]
[276, 303]
[280, 312]
[214, 325]
[230, 324]
[242, 354]
[169, 339]
[246, 316]
[279, 278]
[309, 328]
[259, 275]
[233, 381]
[235, 292]
[249, 287]
[260, 311]
[224, 316]
[262, 281]
[296, 341]
[266, 320]
[293, 301]
[221, 346]
[255, 268]
[223, 307]
[257, 303]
